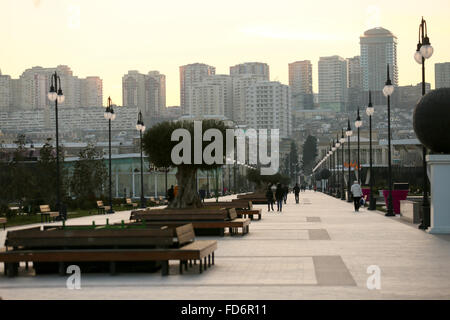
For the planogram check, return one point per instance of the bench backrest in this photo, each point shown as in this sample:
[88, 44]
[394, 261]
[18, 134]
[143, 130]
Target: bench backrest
[185, 234]
[100, 203]
[232, 214]
[2, 220]
[44, 208]
[57, 237]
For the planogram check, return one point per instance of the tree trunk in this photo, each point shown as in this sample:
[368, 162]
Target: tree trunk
[187, 196]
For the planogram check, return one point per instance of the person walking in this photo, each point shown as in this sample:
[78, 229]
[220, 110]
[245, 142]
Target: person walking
[285, 193]
[269, 197]
[279, 195]
[296, 192]
[170, 194]
[357, 194]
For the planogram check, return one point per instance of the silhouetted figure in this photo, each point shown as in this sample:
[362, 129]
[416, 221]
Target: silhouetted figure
[279, 195]
[170, 194]
[269, 197]
[296, 192]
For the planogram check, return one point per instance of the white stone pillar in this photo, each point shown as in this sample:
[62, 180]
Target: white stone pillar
[438, 166]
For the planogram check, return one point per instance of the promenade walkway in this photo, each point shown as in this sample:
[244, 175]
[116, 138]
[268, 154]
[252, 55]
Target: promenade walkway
[318, 249]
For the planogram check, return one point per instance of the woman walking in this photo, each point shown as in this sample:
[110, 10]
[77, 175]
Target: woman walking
[279, 195]
[357, 194]
[269, 197]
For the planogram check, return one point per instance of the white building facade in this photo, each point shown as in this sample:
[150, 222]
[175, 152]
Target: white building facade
[332, 83]
[268, 106]
[189, 75]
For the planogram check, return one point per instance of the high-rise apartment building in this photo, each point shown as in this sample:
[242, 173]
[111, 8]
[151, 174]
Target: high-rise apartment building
[133, 90]
[333, 83]
[5, 92]
[442, 75]
[156, 91]
[31, 89]
[241, 82]
[354, 72]
[213, 96]
[268, 106]
[91, 92]
[354, 83]
[300, 81]
[378, 49]
[189, 75]
[257, 68]
[147, 92]
[300, 77]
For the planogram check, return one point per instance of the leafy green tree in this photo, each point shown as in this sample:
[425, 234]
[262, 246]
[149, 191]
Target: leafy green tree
[309, 154]
[22, 180]
[261, 181]
[46, 171]
[158, 146]
[89, 175]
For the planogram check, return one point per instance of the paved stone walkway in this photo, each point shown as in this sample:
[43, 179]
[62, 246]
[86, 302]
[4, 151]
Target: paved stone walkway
[318, 249]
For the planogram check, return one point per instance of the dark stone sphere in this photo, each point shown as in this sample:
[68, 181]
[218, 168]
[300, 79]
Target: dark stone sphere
[325, 173]
[431, 120]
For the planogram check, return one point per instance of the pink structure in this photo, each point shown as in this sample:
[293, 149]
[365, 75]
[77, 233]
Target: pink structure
[397, 195]
[366, 193]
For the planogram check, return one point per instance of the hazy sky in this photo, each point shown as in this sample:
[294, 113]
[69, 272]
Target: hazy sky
[107, 38]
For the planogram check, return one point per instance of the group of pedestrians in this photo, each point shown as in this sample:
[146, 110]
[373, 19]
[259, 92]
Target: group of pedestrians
[276, 193]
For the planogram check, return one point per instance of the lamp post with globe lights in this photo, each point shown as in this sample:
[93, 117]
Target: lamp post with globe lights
[338, 177]
[333, 159]
[141, 128]
[387, 91]
[330, 166]
[342, 141]
[358, 124]
[370, 111]
[110, 116]
[424, 51]
[349, 133]
[56, 95]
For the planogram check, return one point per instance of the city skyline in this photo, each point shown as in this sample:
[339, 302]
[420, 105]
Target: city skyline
[94, 48]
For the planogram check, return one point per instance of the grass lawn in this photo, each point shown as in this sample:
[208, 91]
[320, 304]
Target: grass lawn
[20, 220]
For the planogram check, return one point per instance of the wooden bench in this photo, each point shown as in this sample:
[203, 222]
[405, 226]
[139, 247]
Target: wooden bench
[131, 203]
[3, 221]
[47, 214]
[101, 208]
[201, 219]
[163, 244]
[251, 213]
[243, 208]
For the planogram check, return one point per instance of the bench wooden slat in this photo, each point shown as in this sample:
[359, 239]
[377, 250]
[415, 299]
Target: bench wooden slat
[185, 234]
[196, 250]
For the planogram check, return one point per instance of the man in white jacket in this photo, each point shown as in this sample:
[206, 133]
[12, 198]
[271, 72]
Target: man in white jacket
[357, 194]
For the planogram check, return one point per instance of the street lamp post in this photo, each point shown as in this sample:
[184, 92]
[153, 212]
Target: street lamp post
[55, 94]
[370, 111]
[342, 141]
[338, 180]
[333, 149]
[141, 128]
[349, 133]
[110, 116]
[358, 124]
[387, 91]
[424, 51]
